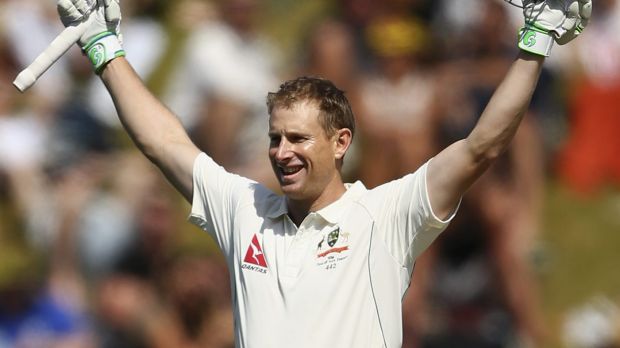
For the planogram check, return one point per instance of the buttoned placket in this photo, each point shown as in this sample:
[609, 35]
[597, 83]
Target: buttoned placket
[298, 248]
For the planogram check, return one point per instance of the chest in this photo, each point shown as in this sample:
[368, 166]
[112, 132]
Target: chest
[288, 279]
[288, 267]
[281, 254]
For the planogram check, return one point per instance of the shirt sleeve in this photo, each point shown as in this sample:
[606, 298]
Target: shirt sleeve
[216, 196]
[404, 216]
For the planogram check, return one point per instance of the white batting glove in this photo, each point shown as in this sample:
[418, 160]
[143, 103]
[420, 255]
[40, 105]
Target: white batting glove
[102, 41]
[552, 20]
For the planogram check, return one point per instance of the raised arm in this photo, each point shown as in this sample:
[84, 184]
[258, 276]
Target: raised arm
[156, 131]
[456, 168]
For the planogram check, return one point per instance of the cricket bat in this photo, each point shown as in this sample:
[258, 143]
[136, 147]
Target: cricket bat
[61, 44]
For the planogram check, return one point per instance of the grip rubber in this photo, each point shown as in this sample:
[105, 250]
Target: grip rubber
[27, 77]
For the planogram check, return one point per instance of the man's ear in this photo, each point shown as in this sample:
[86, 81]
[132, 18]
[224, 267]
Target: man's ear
[342, 141]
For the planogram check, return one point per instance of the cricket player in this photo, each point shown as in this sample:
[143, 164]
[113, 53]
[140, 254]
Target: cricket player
[326, 264]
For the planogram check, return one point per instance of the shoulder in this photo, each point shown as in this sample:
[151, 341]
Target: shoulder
[211, 179]
[393, 196]
[411, 180]
[263, 201]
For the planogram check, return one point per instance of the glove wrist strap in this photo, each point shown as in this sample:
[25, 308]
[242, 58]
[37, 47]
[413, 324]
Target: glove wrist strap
[535, 40]
[102, 49]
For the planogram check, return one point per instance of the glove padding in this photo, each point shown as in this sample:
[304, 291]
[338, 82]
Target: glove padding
[552, 20]
[102, 40]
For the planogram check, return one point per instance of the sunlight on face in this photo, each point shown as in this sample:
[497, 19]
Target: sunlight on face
[302, 156]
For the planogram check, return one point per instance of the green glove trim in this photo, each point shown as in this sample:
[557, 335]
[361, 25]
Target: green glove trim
[535, 40]
[102, 49]
[580, 28]
[537, 27]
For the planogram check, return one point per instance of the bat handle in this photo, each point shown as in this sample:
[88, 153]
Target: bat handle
[27, 77]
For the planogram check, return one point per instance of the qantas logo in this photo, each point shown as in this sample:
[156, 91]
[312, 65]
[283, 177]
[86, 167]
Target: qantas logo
[254, 258]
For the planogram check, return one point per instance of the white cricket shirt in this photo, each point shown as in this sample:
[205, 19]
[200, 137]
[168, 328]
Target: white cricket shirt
[335, 281]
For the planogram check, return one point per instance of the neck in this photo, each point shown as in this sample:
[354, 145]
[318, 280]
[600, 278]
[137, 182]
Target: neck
[299, 209]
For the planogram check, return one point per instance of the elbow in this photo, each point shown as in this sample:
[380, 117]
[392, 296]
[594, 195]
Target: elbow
[492, 154]
[154, 151]
[484, 154]
[161, 149]
[487, 146]
[151, 150]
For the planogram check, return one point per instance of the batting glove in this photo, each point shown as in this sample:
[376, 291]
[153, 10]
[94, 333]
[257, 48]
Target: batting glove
[552, 20]
[102, 41]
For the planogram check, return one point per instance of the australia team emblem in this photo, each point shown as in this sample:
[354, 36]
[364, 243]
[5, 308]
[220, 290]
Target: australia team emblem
[332, 237]
[332, 249]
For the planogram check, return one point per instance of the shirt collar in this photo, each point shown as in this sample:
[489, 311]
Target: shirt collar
[330, 213]
[333, 212]
[278, 208]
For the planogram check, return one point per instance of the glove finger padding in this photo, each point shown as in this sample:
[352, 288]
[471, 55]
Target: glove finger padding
[547, 21]
[100, 40]
[112, 11]
[549, 15]
[113, 17]
[69, 14]
[578, 16]
[543, 20]
[84, 6]
[585, 11]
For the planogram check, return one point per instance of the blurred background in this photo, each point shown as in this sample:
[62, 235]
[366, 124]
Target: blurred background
[95, 249]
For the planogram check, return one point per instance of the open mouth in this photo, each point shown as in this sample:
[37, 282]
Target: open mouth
[289, 171]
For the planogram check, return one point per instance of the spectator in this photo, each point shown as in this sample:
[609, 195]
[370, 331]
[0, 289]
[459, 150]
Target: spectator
[31, 315]
[330, 54]
[23, 135]
[218, 89]
[508, 196]
[589, 158]
[146, 39]
[39, 17]
[396, 113]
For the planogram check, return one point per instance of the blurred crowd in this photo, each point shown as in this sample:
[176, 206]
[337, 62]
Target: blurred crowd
[95, 250]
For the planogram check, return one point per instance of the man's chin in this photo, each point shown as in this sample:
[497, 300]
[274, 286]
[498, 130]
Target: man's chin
[292, 190]
[288, 189]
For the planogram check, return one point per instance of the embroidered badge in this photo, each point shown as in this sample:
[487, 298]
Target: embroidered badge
[332, 248]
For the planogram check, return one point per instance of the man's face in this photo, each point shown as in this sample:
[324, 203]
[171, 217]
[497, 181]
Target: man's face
[302, 156]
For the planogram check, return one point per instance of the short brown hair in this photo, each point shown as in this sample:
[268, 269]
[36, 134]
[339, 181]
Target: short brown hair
[334, 108]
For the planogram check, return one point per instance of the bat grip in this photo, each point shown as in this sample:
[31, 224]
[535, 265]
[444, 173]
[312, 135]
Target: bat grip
[70, 35]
